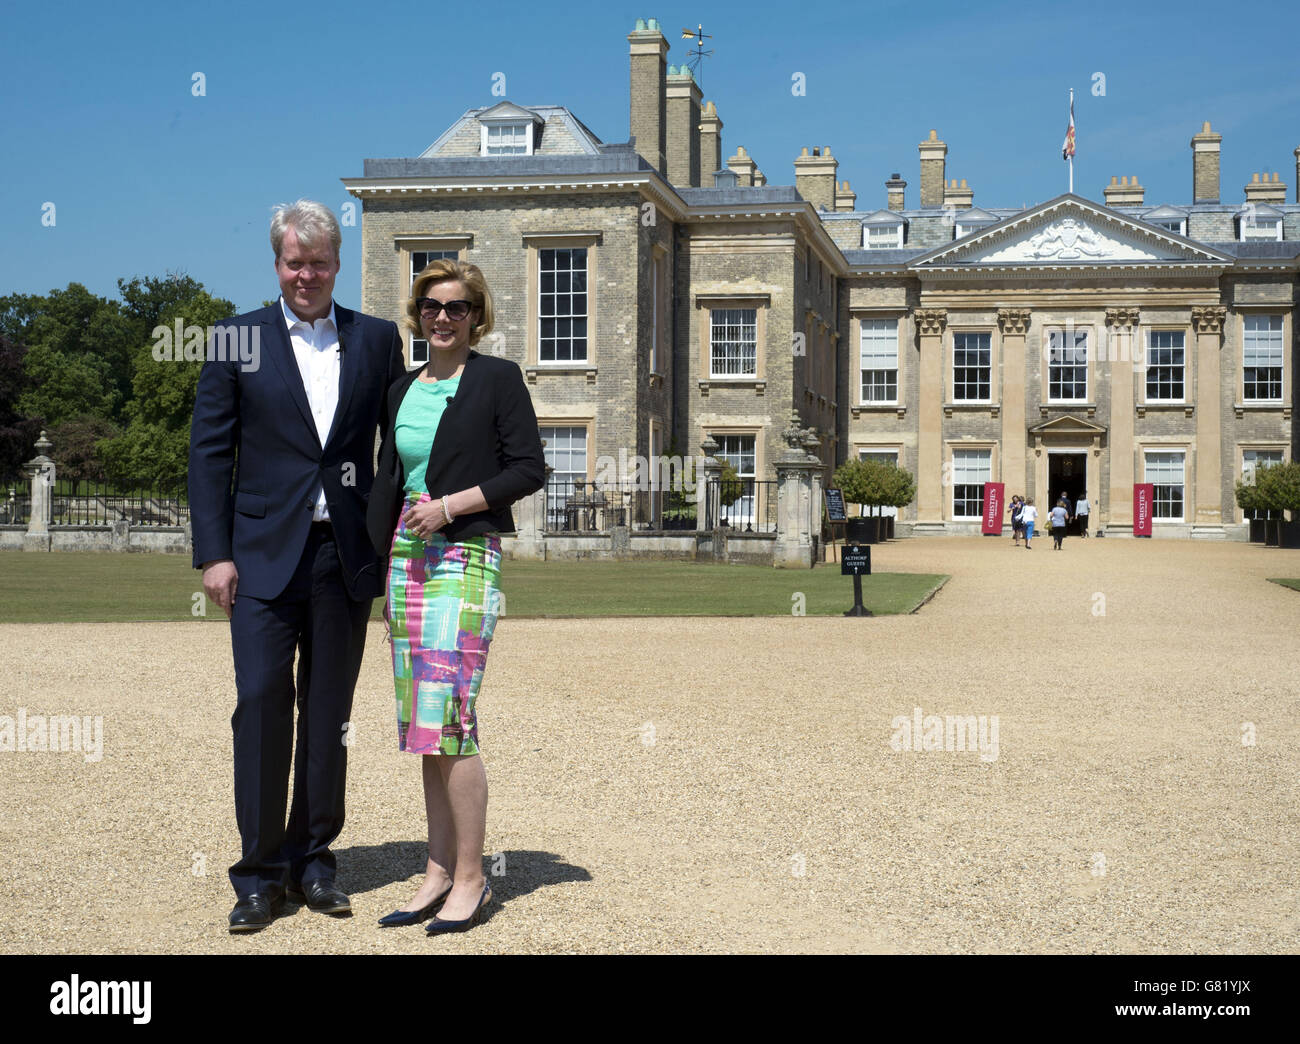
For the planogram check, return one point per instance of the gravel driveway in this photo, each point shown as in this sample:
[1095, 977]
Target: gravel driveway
[751, 785]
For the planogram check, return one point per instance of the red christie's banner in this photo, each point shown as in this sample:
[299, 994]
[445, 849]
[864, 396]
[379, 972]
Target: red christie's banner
[1144, 495]
[993, 508]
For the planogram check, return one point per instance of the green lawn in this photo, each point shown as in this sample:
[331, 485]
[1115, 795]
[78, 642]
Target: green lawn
[89, 587]
[1293, 584]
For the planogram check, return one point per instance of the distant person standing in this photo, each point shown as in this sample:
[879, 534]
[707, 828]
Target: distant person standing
[1060, 517]
[1081, 510]
[1029, 514]
[1017, 519]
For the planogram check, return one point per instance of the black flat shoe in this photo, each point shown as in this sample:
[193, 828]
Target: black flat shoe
[440, 927]
[321, 896]
[254, 912]
[401, 918]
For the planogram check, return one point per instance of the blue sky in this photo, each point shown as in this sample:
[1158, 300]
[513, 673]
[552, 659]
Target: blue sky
[98, 114]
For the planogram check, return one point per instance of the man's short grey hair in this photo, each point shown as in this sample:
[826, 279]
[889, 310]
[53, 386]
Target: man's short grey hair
[313, 222]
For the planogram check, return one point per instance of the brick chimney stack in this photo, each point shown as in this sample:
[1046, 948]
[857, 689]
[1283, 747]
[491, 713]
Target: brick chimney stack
[814, 176]
[647, 50]
[845, 198]
[1205, 165]
[710, 143]
[958, 195]
[683, 96]
[933, 153]
[894, 188]
[1262, 190]
[743, 165]
[1122, 193]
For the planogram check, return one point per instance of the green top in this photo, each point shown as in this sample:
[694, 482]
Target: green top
[417, 424]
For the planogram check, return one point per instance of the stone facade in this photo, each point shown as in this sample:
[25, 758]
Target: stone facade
[1073, 343]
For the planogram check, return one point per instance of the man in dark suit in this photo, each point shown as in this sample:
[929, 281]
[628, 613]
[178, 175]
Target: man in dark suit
[281, 465]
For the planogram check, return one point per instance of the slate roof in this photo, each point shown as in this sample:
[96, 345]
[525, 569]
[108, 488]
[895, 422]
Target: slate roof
[586, 140]
[1269, 249]
[715, 197]
[889, 258]
[609, 161]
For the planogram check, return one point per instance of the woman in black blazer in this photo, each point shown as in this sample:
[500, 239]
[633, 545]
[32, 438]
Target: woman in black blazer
[462, 446]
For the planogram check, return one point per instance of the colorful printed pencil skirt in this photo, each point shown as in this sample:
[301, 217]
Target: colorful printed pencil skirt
[443, 602]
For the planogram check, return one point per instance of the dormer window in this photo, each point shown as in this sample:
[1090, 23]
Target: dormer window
[507, 139]
[509, 130]
[1259, 221]
[971, 220]
[1171, 219]
[882, 230]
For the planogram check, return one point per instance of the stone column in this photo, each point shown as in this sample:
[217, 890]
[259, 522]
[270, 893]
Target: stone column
[706, 498]
[812, 446]
[1118, 511]
[1014, 324]
[1207, 321]
[930, 324]
[798, 472]
[530, 525]
[41, 475]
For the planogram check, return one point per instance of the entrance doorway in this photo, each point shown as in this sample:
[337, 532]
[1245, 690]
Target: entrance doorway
[1067, 471]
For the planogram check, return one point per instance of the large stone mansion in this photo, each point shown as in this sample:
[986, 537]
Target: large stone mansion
[656, 295]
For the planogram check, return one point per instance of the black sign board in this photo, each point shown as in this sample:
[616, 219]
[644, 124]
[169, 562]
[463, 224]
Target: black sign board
[835, 506]
[855, 560]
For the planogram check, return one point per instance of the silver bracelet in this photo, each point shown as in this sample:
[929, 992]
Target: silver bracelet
[446, 513]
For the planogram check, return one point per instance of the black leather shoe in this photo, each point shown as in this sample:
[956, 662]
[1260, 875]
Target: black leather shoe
[440, 927]
[401, 918]
[321, 896]
[254, 912]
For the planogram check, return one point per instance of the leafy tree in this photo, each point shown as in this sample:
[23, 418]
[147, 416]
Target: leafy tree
[1278, 488]
[1248, 496]
[900, 487]
[149, 301]
[18, 434]
[875, 483]
[731, 487]
[78, 351]
[76, 448]
[153, 449]
[862, 482]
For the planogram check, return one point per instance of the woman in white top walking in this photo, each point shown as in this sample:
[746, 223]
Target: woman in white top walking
[1029, 515]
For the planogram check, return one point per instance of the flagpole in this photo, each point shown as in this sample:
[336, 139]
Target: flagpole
[1071, 152]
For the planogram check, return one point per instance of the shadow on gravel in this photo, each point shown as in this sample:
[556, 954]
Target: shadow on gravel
[368, 868]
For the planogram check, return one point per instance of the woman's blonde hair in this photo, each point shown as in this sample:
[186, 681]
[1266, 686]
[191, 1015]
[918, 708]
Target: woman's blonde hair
[445, 270]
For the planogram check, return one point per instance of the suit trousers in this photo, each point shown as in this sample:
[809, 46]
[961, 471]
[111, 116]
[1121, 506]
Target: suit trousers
[316, 618]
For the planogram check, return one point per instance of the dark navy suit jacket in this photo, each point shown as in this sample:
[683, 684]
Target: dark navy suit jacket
[256, 459]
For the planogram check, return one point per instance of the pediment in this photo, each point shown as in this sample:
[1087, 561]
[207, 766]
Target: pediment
[507, 112]
[974, 216]
[1067, 425]
[1069, 231]
[883, 217]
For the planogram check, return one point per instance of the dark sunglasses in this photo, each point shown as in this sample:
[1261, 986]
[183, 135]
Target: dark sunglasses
[456, 310]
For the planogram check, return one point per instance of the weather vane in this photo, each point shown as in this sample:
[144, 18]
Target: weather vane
[698, 55]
